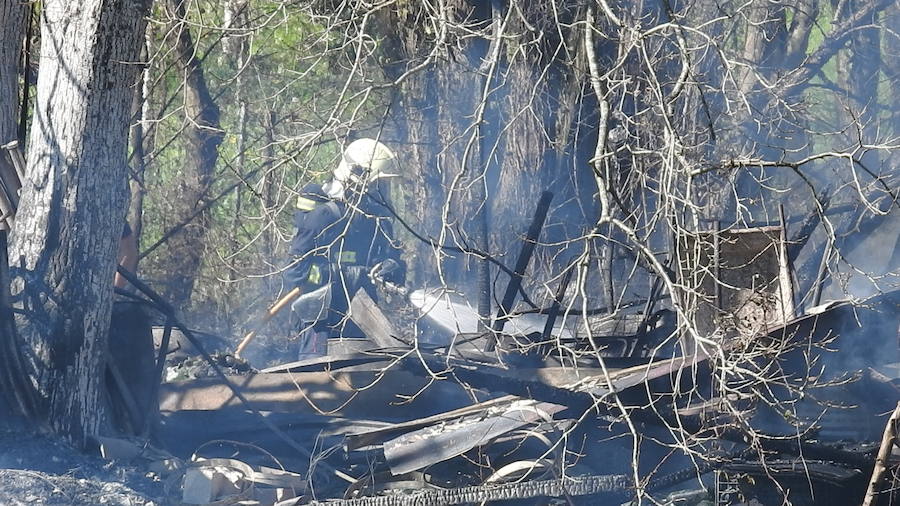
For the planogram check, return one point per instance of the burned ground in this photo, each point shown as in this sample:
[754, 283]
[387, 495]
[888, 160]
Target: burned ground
[39, 469]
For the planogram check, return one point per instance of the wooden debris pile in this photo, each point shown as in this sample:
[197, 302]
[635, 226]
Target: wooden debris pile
[592, 408]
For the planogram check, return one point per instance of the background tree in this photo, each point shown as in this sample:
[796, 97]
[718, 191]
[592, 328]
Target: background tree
[498, 98]
[202, 135]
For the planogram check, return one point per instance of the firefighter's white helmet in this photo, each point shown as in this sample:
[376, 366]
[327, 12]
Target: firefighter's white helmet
[366, 160]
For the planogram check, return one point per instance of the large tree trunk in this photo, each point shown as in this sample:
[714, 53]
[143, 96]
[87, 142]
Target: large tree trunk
[12, 378]
[417, 112]
[73, 203]
[434, 110]
[12, 19]
[203, 138]
[765, 44]
[473, 125]
[857, 76]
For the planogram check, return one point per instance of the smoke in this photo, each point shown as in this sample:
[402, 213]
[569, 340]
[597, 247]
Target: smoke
[485, 135]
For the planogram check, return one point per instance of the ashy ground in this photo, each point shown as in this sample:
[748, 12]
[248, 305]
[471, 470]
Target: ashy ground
[35, 469]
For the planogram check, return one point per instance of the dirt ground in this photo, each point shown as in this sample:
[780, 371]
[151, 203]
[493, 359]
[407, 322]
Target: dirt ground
[35, 469]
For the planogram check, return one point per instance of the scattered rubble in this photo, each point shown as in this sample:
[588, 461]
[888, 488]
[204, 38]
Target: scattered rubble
[439, 410]
[454, 414]
[191, 367]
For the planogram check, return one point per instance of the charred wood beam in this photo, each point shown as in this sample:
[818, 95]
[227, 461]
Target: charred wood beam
[571, 486]
[821, 274]
[478, 192]
[576, 399]
[329, 363]
[822, 471]
[830, 212]
[766, 442]
[690, 473]
[557, 301]
[366, 314]
[515, 282]
[602, 310]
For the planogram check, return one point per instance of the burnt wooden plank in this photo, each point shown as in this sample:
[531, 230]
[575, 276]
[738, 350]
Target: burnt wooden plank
[366, 314]
[354, 393]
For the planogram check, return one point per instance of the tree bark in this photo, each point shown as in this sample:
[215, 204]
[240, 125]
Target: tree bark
[203, 135]
[804, 18]
[74, 198]
[13, 381]
[12, 29]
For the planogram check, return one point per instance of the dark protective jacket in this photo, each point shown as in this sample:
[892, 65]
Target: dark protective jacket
[333, 237]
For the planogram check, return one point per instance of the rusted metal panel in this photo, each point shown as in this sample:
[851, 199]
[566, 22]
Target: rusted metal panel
[429, 445]
[365, 438]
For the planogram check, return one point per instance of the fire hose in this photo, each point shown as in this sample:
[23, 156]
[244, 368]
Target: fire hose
[274, 310]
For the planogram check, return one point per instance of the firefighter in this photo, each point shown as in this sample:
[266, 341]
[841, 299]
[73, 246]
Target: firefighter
[343, 238]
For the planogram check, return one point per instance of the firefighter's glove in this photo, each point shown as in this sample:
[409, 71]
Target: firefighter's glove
[390, 271]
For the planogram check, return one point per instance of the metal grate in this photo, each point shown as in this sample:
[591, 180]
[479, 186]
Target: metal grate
[726, 488]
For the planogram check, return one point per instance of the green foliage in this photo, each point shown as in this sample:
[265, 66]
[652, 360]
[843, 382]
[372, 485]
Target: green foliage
[293, 79]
